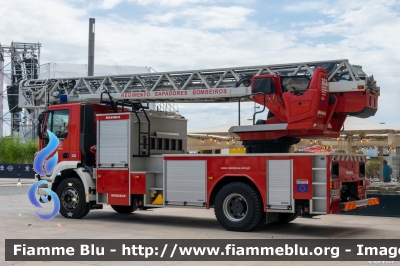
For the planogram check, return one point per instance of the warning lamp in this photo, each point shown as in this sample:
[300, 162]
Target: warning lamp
[63, 98]
[360, 87]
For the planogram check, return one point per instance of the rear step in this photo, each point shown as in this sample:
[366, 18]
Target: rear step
[351, 205]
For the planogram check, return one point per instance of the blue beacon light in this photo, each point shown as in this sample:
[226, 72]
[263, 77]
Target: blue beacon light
[63, 98]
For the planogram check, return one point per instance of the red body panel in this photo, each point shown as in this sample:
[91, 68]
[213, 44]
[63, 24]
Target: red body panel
[310, 107]
[113, 117]
[116, 184]
[354, 102]
[138, 183]
[302, 170]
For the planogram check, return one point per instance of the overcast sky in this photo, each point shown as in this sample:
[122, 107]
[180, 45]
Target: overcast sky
[170, 35]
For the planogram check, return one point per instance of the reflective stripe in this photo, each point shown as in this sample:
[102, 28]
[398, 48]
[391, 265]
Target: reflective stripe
[373, 201]
[350, 205]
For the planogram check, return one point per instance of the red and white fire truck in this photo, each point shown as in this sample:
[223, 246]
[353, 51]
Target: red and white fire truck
[114, 151]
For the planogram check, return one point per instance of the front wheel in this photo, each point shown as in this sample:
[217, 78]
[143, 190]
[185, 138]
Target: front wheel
[238, 207]
[73, 203]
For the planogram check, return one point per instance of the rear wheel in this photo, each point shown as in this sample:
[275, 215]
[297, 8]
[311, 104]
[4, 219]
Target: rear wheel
[238, 207]
[123, 209]
[73, 203]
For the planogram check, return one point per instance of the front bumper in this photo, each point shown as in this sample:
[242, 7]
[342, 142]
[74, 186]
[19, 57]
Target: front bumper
[42, 189]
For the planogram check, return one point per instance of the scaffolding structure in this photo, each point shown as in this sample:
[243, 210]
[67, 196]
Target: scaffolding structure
[18, 61]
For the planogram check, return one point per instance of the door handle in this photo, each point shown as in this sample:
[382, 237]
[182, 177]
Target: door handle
[65, 155]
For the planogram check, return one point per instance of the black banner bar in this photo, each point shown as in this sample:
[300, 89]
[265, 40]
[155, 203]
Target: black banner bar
[382, 250]
[8, 170]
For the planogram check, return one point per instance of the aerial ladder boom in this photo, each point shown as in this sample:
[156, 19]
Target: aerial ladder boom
[208, 85]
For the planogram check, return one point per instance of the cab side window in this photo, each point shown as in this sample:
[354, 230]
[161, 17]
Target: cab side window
[57, 123]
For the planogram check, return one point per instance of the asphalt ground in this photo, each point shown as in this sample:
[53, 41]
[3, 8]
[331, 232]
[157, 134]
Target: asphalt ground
[18, 221]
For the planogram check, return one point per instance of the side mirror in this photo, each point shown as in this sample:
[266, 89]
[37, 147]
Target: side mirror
[39, 126]
[39, 129]
[41, 117]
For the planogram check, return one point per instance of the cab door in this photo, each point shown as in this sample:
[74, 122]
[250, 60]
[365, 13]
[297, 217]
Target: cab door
[58, 123]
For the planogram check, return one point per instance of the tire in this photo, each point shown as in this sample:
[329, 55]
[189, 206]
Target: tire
[72, 199]
[262, 222]
[285, 218]
[238, 207]
[123, 209]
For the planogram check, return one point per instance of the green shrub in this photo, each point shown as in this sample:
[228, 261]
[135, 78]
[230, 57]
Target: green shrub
[14, 150]
[373, 164]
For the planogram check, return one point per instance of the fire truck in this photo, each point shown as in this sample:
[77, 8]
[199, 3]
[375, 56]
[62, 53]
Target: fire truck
[114, 150]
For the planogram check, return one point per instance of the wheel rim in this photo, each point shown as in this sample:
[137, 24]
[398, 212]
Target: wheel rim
[70, 198]
[235, 207]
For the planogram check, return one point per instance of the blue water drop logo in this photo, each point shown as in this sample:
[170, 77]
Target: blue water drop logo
[41, 164]
[44, 167]
[36, 203]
